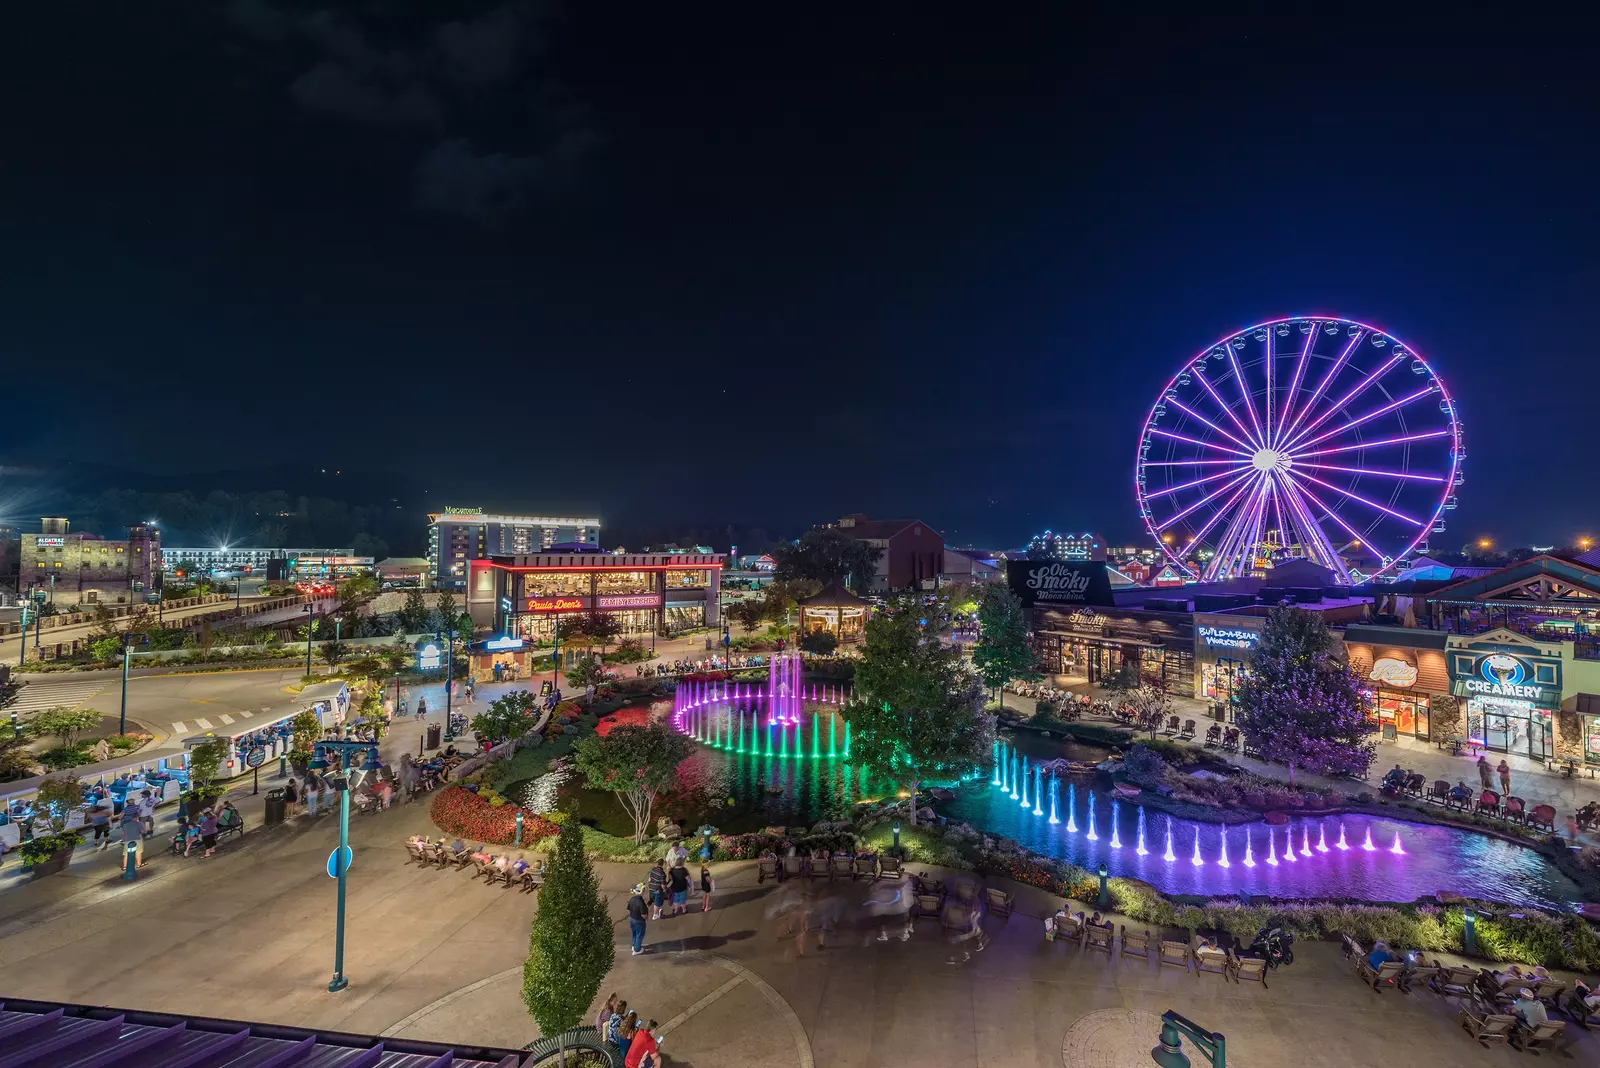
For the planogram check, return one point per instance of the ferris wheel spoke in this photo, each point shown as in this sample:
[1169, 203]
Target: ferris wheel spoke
[1190, 411]
[1267, 406]
[1310, 532]
[1244, 391]
[1352, 424]
[1233, 533]
[1170, 490]
[1197, 441]
[1191, 463]
[1226, 408]
[1226, 509]
[1379, 472]
[1358, 446]
[1338, 405]
[1299, 373]
[1355, 535]
[1327, 380]
[1237, 478]
[1297, 476]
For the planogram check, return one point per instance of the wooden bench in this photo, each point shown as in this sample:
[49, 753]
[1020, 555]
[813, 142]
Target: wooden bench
[227, 826]
[1174, 954]
[999, 900]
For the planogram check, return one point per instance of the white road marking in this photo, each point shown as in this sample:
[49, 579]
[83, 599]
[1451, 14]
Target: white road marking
[202, 724]
[179, 728]
[225, 718]
[246, 715]
[35, 696]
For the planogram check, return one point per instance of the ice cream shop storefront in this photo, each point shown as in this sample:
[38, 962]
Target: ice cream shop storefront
[1510, 687]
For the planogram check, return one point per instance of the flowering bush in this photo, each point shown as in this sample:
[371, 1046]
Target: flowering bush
[629, 716]
[467, 814]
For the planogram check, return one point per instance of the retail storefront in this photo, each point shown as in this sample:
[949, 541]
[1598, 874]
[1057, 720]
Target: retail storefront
[1587, 707]
[528, 597]
[1099, 645]
[1406, 677]
[1222, 647]
[1512, 690]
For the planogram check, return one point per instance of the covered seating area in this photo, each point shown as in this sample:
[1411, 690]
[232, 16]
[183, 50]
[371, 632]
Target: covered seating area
[835, 611]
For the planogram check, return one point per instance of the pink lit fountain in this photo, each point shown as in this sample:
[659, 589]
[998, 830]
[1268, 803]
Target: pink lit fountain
[783, 688]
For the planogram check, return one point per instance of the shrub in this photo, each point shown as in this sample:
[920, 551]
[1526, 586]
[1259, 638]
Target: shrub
[64, 756]
[1100, 734]
[467, 814]
[1145, 766]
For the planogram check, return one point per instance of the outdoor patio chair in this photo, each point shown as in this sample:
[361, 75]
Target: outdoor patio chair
[1206, 959]
[1252, 968]
[1516, 809]
[1252, 750]
[1171, 728]
[1440, 792]
[1488, 803]
[766, 868]
[866, 866]
[1350, 947]
[1415, 784]
[1423, 974]
[1543, 817]
[1174, 954]
[418, 852]
[929, 904]
[486, 870]
[1099, 937]
[462, 859]
[1455, 981]
[999, 900]
[1230, 740]
[1549, 991]
[1188, 730]
[531, 881]
[924, 883]
[1551, 1035]
[1135, 943]
[1574, 1007]
[1213, 736]
[889, 867]
[441, 855]
[1069, 928]
[794, 867]
[841, 867]
[1487, 1027]
[1387, 973]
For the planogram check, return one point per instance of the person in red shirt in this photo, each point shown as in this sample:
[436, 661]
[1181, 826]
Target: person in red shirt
[643, 1051]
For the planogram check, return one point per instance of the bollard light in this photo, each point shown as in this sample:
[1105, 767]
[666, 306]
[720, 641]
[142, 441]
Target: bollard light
[130, 861]
[519, 828]
[897, 836]
[1469, 933]
[1102, 874]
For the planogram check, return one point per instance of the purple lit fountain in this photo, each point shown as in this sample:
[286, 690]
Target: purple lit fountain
[783, 684]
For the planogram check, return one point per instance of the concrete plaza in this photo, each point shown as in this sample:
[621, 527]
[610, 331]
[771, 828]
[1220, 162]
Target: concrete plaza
[435, 954]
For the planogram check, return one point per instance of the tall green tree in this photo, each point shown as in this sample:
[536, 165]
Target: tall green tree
[509, 716]
[917, 711]
[587, 673]
[826, 555]
[1003, 652]
[602, 628]
[1300, 704]
[637, 764]
[414, 613]
[569, 946]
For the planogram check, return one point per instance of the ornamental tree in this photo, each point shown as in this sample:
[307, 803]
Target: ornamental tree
[1300, 704]
[569, 945]
[588, 673]
[507, 717]
[637, 764]
[64, 723]
[1003, 653]
[917, 711]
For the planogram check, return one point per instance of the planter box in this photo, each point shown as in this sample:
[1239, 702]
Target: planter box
[57, 861]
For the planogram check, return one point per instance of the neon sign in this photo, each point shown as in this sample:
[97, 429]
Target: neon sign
[1502, 675]
[1229, 638]
[452, 510]
[430, 657]
[1393, 672]
[557, 604]
[631, 600]
[44, 542]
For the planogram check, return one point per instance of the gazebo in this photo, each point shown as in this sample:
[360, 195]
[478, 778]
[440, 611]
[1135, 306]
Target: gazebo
[837, 611]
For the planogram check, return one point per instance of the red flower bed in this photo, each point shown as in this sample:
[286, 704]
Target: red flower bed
[631, 716]
[466, 815]
[705, 676]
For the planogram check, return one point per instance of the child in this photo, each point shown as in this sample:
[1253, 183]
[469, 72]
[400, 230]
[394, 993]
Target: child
[707, 885]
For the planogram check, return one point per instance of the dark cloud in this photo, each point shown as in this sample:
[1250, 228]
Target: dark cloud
[468, 80]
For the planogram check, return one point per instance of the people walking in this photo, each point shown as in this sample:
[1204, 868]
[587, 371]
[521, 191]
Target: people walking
[100, 820]
[657, 880]
[422, 708]
[637, 911]
[147, 813]
[678, 885]
[1505, 776]
[208, 831]
[1485, 773]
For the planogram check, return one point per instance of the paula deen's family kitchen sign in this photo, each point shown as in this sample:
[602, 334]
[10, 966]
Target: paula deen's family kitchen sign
[1059, 583]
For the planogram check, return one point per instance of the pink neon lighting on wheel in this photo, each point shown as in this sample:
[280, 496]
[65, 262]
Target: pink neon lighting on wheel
[1233, 512]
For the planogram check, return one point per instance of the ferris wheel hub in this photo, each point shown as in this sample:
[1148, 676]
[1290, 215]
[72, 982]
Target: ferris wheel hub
[1270, 460]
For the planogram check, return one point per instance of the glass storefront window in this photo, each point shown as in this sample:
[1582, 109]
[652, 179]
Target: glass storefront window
[553, 583]
[1407, 711]
[1509, 726]
[1591, 739]
[615, 582]
[1220, 681]
[688, 580]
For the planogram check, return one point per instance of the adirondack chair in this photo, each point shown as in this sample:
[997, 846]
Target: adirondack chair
[1135, 944]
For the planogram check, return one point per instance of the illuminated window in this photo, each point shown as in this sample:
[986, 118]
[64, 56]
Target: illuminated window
[58, 563]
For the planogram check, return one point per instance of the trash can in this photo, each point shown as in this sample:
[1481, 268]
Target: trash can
[276, 804]
[433, 737]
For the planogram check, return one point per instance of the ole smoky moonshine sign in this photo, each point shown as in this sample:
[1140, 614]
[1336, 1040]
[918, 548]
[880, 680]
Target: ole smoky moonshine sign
[1059, 583]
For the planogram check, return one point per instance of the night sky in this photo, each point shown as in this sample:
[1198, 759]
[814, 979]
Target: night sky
[745, 263]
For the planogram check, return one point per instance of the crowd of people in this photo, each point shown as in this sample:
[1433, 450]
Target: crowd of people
[665, 892]
[636, 1040]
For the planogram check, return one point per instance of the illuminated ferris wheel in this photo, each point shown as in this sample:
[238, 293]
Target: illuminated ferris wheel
[1312, 438]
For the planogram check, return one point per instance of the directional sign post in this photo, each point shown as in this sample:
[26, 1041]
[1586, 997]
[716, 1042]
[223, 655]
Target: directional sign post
[253, 760]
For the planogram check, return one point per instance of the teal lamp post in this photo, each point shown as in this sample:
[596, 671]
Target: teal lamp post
[339, 859]
[1169, 1053]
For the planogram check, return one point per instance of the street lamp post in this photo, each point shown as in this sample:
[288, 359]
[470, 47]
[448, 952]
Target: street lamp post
[122, 714]
[449, 675]
[339, 862]
[1169, 1054]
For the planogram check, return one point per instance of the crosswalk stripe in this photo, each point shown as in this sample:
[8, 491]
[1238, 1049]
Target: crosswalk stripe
[204, 725]
[35, 696]
[225, 718]
[179, 728]
[246, 715]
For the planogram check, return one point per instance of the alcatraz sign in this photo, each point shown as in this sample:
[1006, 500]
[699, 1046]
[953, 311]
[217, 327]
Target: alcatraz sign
[1059, 583]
